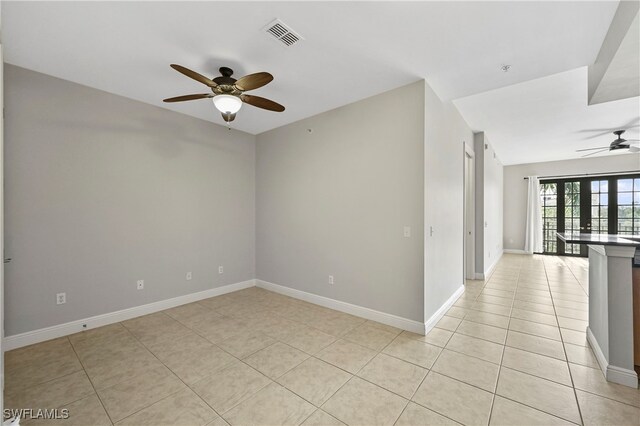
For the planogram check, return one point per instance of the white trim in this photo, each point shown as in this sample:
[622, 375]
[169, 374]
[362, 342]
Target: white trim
[613, 251]
[622, 376]
[48, 333]
[468, 149]
[611, 373]
[433, 320]
[602, 361]
[620, 251]
[361, 311]
[514, 251]
[489, 271]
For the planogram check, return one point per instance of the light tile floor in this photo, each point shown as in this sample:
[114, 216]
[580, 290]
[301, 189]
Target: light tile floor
[510, 351]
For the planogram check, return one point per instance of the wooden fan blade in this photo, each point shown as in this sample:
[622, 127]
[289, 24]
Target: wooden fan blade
[189, 97]
[194, 75]
[263, 103]
[597, 152]
[253, 81]
[591, 149]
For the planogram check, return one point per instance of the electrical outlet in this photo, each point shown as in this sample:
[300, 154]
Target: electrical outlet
[221, 269]
[189, 276]
[407, 231]
[331, 279]
[61, 298]
[140, 284]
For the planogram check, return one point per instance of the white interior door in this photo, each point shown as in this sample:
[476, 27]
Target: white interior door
[469, 216]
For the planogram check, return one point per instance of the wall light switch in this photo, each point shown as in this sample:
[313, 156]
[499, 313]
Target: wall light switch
[407, 231]
[188, 276]
[140, 284]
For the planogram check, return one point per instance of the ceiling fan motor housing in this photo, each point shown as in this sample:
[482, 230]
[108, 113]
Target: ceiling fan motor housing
[225, 79]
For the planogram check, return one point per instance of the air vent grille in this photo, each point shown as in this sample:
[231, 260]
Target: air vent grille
[283, 33]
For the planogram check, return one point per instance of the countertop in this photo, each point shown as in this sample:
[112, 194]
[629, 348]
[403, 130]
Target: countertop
[598, 239]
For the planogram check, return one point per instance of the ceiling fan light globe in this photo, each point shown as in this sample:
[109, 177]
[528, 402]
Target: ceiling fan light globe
[227, 103]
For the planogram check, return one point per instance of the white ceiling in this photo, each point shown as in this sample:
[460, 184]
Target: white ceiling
[352, 50]
[548, 118]
[622, 77]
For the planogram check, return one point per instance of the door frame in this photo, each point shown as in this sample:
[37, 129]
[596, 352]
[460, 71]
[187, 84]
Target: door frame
[469, 212]
[1, 229]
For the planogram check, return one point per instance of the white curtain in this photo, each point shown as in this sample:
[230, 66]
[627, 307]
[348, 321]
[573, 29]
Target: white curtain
[533, 233]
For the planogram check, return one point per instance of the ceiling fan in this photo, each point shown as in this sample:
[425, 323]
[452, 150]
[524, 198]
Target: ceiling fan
[618, 143]
[228, 93]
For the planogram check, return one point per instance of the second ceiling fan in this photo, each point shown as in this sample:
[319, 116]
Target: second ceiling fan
[617, 144]
[228, 93]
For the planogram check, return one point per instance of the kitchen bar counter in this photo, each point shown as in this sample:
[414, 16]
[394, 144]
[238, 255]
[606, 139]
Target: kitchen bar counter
[597, 239]
[610, 329]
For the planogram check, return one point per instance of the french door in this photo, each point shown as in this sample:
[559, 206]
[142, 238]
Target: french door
[603, 204]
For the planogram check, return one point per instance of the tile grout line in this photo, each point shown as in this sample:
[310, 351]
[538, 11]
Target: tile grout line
[91, 381]
[495, 389]
[519, 402]
[172, 372]
[575, 394]
[378, 352]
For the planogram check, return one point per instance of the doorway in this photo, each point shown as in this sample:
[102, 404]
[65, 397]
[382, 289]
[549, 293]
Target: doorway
[469, 214]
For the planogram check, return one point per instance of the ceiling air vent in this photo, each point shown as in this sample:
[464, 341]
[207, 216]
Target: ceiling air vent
[281, 32]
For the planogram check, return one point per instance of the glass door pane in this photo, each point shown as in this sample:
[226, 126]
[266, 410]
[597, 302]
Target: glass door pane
[572, 214]
[600, 206]
[628, 201]
[549, 200]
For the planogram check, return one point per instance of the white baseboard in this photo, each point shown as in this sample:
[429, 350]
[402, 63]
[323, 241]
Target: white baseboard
[602, 361]
[622, 376]
[43, 334]
[486, 274]
[612, 373]
[60, 330]
[490, 269]
[370, 314]
[433, 320]
[514, 251]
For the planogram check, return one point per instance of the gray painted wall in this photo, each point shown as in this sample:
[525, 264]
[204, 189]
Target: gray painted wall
[335, 201]
[102, 191]
[489, 199]
[515, 187]
[445, 133]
